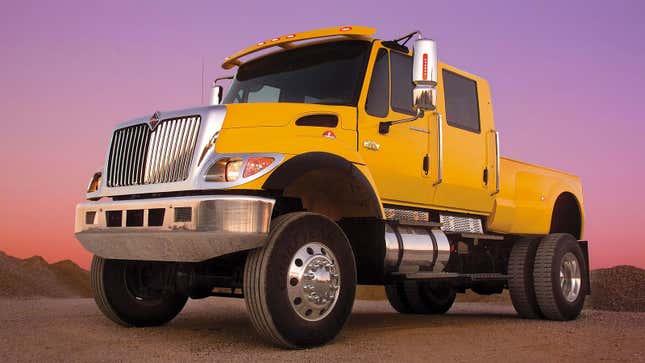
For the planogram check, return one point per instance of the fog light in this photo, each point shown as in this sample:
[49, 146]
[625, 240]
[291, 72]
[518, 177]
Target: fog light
[95, 183]
[256, 164]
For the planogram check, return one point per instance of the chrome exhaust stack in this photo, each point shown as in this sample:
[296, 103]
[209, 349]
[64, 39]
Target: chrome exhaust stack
[425, 74]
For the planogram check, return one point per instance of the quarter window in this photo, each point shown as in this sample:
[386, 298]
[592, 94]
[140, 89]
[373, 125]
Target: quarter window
[377, 103]
[462, 105]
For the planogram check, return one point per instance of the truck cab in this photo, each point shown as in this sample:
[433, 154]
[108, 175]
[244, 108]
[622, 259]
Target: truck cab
[334, 159]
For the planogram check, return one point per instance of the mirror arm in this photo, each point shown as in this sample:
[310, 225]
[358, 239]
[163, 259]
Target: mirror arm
[384, 126]
[216, 98]
[221, 78]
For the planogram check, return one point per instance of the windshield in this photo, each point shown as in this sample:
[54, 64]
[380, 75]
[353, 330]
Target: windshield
[329, 73]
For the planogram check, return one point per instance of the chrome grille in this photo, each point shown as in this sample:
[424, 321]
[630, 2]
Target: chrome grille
[141, 156]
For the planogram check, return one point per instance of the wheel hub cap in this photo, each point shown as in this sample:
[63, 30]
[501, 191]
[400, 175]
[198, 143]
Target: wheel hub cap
[570, 277]
[313, 281]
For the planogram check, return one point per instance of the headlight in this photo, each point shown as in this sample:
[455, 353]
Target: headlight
[95, 183]
[233, 169]
[225, 170]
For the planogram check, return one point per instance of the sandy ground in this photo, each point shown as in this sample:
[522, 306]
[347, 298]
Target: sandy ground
[219, 329]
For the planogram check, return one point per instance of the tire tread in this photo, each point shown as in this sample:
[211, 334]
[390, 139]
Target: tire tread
[520, 282]
[542, 271]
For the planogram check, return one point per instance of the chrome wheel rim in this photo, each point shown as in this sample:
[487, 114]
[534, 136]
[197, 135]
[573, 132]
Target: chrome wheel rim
[313, 281]
[570, 277]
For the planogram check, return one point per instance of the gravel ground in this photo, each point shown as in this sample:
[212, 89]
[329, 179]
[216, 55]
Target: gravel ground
[219, 329]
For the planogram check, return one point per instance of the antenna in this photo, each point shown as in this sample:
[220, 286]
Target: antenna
[202, 102]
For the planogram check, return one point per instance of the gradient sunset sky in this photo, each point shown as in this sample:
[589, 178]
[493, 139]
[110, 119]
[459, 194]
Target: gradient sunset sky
[567, 80]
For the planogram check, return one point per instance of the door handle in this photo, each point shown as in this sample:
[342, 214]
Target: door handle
[497, 173]
[439, 150]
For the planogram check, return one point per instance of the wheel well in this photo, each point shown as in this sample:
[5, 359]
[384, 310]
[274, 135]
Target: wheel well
[330, 185]
[325, 184]
[566, 217]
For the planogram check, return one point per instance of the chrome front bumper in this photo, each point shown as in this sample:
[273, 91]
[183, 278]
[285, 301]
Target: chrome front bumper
[184, 229]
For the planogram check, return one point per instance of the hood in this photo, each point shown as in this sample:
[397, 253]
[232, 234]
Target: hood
[240, 115]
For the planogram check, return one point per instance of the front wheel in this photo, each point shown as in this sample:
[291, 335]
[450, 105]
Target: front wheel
[299, 288]
[134, 293]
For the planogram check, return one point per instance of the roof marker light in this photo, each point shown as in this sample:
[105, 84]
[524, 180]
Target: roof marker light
[261, 43]
[346, 28]
[290, 36]
[275, 39]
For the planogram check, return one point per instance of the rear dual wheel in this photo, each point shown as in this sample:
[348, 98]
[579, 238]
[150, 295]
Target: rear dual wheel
[548, 277]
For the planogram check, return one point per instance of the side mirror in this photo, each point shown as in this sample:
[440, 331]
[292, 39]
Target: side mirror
[424, 75]
[217, 95]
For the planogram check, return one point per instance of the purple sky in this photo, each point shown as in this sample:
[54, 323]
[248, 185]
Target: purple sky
[567, 81]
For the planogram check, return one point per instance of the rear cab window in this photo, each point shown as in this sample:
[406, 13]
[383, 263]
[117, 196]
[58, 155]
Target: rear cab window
[462, 103]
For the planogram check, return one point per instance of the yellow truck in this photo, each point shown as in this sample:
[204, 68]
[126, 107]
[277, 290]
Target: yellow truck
[334, 159]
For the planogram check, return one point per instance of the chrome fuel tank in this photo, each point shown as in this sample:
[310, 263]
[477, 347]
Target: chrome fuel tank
[415, 248]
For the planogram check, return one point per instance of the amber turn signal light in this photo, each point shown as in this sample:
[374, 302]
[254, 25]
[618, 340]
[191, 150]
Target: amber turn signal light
[255, 164]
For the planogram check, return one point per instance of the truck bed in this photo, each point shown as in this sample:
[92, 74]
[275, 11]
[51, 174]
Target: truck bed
[527, 195]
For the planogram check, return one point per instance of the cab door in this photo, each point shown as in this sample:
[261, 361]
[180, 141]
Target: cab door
[467, 123]
[395, 158]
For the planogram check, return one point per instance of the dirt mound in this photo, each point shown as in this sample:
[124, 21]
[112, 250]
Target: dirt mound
[620, 288]
[34, 277]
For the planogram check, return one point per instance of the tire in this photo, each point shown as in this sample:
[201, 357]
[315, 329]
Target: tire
[112, 287]
[281, 308]
[396, 296]
[416, 297]
[520, 278]
[560, 252]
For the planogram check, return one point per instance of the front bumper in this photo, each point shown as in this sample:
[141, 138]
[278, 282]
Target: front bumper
[183, 229]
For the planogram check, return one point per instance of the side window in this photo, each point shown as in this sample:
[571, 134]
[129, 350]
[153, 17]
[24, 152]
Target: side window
[377, 103]
[401, 83]
[462, 106]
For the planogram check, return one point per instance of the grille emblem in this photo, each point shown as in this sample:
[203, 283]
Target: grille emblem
[154, 121]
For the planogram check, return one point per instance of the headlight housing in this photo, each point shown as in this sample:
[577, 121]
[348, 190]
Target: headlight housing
[232, 169]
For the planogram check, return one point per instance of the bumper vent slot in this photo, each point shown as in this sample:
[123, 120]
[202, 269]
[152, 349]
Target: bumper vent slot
[114, 218]
[134, 218]
[89, 217]
[155, 217]
[139, 155]
[183, 214]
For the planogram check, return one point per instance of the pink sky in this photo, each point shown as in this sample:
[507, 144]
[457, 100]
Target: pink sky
[567, 82]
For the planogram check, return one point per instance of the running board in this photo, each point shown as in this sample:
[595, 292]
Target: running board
[478, 236]
[450, 276]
